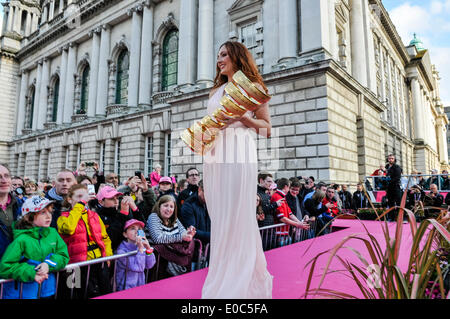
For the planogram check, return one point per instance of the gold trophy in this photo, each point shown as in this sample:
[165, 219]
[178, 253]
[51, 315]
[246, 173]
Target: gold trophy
[241, 95]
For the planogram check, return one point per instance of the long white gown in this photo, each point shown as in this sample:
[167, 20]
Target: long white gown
[237, 267]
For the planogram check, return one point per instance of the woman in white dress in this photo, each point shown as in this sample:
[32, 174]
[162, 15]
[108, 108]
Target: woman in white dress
[237, 267]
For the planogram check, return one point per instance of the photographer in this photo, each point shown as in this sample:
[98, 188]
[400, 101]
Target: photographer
[433, 199]
[97, 177]
[144, 197]
[415, 197]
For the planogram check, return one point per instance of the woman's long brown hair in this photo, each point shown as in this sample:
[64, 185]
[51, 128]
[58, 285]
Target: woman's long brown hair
[242, 60]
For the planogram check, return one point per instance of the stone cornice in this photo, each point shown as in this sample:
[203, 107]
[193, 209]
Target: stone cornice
[390, 30]
[62, 25]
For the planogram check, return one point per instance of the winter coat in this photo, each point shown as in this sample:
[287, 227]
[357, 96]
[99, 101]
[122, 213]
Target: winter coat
[6, 234]
[268, 208]
[194, 213]
[185, 194]
[114, 222]
[359, 200]
[130, 270]
[57, 206]
[76, 226]
[30, 248]
[346, 199]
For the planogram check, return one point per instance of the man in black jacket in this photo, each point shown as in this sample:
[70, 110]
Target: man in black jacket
[192, 177]
[346, 197]
[195, 213]
[393, 190]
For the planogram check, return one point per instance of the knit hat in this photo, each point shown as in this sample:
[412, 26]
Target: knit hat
[35, 204]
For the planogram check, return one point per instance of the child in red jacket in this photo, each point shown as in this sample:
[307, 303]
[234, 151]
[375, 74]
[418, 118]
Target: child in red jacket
[284, 214]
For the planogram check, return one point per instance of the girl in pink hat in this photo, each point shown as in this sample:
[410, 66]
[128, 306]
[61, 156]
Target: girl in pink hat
[130, 271]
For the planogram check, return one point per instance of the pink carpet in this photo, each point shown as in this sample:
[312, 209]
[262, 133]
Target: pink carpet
[286, 264]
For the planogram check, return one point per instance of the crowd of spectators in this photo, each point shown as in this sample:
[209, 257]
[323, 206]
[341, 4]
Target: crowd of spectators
[86, 215]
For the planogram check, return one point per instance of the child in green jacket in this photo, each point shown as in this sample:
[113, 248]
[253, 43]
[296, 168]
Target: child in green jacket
[35, 253]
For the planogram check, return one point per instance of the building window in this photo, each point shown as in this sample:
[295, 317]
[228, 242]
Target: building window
[102, 156]
[39, 172]
[168, 157]
[170, 60]
[67, 156]
[55, 100]
[78, 155]
[84, 89]
[49, 163]
[247, 36]
[117, 158]
[148, 155]
[30, 113]
[123, 65]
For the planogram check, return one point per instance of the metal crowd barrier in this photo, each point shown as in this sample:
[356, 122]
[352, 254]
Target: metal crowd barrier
[269, 238]
[411, 180]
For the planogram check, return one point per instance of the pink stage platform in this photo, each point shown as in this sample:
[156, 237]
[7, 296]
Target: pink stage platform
[286, 264]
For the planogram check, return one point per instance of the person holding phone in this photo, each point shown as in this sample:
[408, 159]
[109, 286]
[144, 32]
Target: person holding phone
[130, 271]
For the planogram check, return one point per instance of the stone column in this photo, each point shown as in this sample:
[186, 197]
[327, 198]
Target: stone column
[102, 86]
[370, 50]
[70, 83]
[9, 22]
[287, 38]
[145, 76]
[418, 110]
[22, 102]
[37, 95]
[357, 42]
[93, 81]
[35, 23]
[135, 56]
[28, 24]
[205, 59]
[52, 10]
[43, 94]
[187, 46]
[315, 28]
[61, 6]
[44, 15]
[334, 51]
[17, 19]
[62, 85]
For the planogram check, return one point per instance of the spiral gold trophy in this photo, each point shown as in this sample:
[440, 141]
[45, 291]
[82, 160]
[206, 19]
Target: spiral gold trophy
[241, 95]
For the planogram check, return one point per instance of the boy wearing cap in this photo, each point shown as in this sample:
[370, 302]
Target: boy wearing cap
[130, 270]
[35, 253]
[112, 216]
[166, 187]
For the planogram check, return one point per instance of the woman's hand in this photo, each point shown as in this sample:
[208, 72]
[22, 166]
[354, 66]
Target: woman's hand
[187, 237]
[303, 225]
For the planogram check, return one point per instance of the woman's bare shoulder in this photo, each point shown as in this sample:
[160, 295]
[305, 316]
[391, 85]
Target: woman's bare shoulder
[211, 93]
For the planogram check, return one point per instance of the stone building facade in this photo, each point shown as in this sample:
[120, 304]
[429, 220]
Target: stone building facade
[116, 81]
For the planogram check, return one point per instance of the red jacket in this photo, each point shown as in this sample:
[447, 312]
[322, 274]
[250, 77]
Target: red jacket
[77, 242]
[282, 211]
[334, 210]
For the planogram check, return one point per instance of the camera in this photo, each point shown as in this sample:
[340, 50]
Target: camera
[137, 173]
[140, 233]
[89, 164]
[20, 190]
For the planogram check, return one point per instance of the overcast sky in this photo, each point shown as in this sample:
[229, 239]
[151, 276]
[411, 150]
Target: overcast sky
[430, 20]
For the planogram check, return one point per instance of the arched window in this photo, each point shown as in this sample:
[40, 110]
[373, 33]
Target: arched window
[30, 115]
[55, 100]
[170, 60]
[84, 89]
[123, 65]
